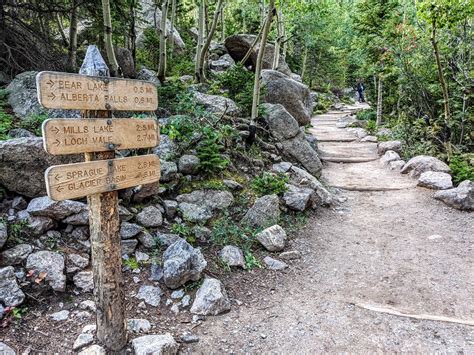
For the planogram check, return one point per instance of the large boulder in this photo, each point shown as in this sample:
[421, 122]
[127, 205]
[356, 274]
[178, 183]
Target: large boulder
[462, 197]
[51, 264]
[126, 63]
[182, 263]
[421, 163]
[293, 95]
[238, 46]
[384, 147]
[302, 178]
[58, 210]
[217, 104]
[283, 127]
[3, 234]
[10, 293]
[264, 212]
[298, 198]
[435, 180]
[23, 98]
[149, 75]
[222, 64]
[211, 299]
[150, 16]
[23, 162]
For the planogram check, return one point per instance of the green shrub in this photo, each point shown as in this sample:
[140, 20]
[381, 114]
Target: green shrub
[184, 231]
[5, 119]
[225, 231]
[462, 167]
[209, 151]
[367, 115]
[269, 183]
[33, 123]
[371, 127]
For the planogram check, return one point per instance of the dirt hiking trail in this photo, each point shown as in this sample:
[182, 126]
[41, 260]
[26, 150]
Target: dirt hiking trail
[388, 247]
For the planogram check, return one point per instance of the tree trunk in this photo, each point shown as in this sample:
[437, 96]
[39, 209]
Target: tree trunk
[163, 39]
[258, 70]
[305, 63]
[254, 43]
[202, 72]
[109, 46]
[61, 30]
[73, 37]
[173, 20]
[200, 40]
[132, 36]
[222, 26]
[379, 102]
[276, 53]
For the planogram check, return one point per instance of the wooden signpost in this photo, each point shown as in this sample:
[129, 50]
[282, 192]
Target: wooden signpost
[98, 135]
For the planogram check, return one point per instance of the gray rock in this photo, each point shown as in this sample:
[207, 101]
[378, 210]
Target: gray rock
[167, 149]
[156, 272]
[124, 214]
[50, 263]
[273, 238]
[298, 198]
[10, 293]
[177, 294]
[210, 199]
[189, 338]
[264, 212]
[125, 61]
[232, 256]
[202, 233]
[169, 171]
[149, 75]
[150, 294]
[60, 316]
[128, 246]
[298, 148]
[293, 95]
[290, 255]
[155, 345]
[79, 219]
[217, 104]
[274, 264]
[93, 63]
[370, 139]
[58, 210]
[150, 217]
[93, 350]
[147, 240]
[80, 233]
[143, 192]
[312, 140]
[383, 147]
[388, 157]
[238, 45]
[222, 64]
[141, 257]
[233, 185]
[24, 162]
[171, 208]
[84, 280]
[3, 234]
[129, 230]
[82, 340]
[435, 180]
[182, 263]
[194, 213]
[5, 349]
[19, 203]
[88, 305]
[302, 178]
[211, 299]
[76, 262]
[422, 163]
[166, 239]
[461, 197]
[138, 325]
[281, 124]
[282, 167]
[186, 301]
[189, 164]
[15, 255]
[40, 225]
[396, 165]
[23, 98]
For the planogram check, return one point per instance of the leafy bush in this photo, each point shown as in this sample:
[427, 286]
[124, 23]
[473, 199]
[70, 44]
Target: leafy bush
[462, 167]
[269, 183]
[33, 123]
[367, 115]
[209, 151]
[371, 127]
[5, 119]
[225, 231]
[184, 231]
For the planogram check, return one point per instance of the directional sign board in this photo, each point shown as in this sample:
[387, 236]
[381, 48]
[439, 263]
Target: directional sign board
[69, 136]
[83, 92]
[82, 179]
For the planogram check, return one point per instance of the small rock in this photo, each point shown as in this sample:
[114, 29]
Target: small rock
[232, 256]
[167, 239]
[194, 213]
[156, 272]
[169, 171]
[233, 185]
[80, 233]
[10, 293]
[186, 301]
[175, 309]
[76, 262]
[89, 329]
[58, 210]
[384, 147]
[147, 240]
[3, 234]
[50, 263]
[150, 217]
[297, 198]
[290, 255]
[129, 230]
[150, 294]
[435, 180]
[82, 340]
[84, 280]
[88, 305]
[396, 165]
[189, 338]
[40, 225]
[389, 156]
[124, 214]
[264, 212]
[78, 219]
[138, 325]
[461, 197]
[178, 294]
[129, 246]
[82, 315]
[274, 264]
[155, 344]
[171, 208]
[273, 238]
[371, 139]
[282, 167]
[15, 255]
[93, 350]
[211, 298]
[141, 257]
[211, 200]
[189, 164]
[6, 350]
[302, 178]
[202, 233]
[59, 316]
[19, 203]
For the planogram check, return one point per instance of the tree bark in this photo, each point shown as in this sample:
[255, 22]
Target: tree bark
[202, 72]
[109, 46]
[379, 101]
[200, 40]
[222, 26]
[104, 224]
[73, 37]
[61, 30]
[173, 20]
[132, 36]
[279, 40]
[304, 64]
[254, 43]
[163, 39]
[258, 70]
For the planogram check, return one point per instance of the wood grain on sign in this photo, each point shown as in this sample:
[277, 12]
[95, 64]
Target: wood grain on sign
[69, 136]
[83, 179]
[83, 92]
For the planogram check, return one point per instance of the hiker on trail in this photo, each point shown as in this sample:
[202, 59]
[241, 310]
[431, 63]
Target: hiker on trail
[360, 90]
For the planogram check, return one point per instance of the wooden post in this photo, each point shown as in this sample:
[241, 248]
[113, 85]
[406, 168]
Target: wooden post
[105, 237]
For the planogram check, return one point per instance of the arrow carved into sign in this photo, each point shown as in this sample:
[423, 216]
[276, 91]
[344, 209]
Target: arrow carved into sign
[52, 96]
[55, 130]
[50, 83]
[58, 177]
[59, 188]
[57, 142]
